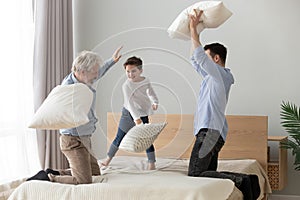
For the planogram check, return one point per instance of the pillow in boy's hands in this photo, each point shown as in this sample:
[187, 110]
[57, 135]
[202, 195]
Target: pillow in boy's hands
[66, 106]
[141, 137]
[214, 14]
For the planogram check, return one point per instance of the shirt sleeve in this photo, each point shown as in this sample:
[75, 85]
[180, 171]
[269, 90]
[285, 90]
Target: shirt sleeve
[152, 95]
[197, 67]
[69, 79]
[107, 65]
[205, 64]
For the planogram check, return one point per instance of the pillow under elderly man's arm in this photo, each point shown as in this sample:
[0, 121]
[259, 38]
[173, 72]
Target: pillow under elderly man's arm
[66, 106]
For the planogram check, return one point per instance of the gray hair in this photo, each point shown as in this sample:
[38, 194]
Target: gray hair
[86, 60]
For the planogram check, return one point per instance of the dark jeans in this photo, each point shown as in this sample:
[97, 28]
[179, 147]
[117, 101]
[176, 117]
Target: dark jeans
[127, 122]
[204, 156]
[248, 184]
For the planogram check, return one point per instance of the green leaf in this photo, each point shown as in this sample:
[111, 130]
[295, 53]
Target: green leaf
[290, 121]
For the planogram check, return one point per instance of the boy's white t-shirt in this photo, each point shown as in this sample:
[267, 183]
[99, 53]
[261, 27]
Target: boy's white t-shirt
[139, 98]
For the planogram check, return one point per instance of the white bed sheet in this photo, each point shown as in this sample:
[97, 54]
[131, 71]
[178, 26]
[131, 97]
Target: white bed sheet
[139, 165]
[126, 178]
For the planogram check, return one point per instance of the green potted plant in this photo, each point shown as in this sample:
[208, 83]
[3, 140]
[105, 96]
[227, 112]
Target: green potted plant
[290, 121]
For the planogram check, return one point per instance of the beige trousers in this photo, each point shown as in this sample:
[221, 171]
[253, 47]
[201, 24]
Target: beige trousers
[82, 163]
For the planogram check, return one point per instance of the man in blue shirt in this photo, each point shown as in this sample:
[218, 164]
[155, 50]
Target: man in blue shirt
[210, 125]
[75, 143]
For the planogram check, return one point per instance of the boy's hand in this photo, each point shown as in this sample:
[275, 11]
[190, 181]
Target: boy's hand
[138, 121]
[154, 106]
[116, 56]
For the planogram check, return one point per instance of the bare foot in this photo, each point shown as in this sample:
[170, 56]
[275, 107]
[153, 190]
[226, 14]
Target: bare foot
[106, 162]
[102, 164]
[151, 166]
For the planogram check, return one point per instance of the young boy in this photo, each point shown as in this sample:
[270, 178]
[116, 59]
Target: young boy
[139, 101]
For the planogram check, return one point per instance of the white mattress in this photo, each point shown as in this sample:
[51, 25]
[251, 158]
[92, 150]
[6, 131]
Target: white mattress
[126, 178]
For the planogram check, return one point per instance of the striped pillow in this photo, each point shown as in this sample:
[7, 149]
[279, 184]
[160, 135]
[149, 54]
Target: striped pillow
[141, 137]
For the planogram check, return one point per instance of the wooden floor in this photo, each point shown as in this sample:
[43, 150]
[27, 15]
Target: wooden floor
[283, 197]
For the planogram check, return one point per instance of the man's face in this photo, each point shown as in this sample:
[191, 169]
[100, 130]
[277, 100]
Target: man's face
[89, 77]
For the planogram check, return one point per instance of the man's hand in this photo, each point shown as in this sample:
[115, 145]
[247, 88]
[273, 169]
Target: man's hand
[194, 21]
[116, 56]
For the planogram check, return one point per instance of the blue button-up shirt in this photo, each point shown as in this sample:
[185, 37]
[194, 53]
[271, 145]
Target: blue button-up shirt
[90, 127]
[213, 95]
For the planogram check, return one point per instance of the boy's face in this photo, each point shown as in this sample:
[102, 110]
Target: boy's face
[133, 73]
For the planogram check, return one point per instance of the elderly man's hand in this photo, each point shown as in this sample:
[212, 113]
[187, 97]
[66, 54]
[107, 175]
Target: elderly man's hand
[116, 56]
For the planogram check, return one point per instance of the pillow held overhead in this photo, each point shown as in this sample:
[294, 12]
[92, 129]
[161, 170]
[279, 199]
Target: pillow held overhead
[214, 14]
[141, 137]
[66, 106]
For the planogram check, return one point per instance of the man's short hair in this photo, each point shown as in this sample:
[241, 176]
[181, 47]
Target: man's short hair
[217, 48]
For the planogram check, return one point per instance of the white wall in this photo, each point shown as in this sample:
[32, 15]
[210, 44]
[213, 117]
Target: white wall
[262, 39]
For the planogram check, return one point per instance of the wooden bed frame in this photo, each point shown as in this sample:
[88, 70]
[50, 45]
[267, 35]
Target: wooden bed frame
[246, 139]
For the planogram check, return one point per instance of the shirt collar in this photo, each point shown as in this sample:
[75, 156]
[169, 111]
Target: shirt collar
[74, 79]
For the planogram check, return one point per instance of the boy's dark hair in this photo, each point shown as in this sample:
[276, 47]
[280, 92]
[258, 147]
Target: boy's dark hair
[134, 61]
[217, 48]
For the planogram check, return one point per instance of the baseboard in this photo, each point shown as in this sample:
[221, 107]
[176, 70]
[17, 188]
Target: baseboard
[283, 197]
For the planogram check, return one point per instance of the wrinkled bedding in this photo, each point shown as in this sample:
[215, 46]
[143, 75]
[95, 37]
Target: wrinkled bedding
[127, 178]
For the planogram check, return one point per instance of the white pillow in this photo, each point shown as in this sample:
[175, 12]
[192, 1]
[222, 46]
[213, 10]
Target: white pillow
[141, 137]
[66, 106]
[214, 14]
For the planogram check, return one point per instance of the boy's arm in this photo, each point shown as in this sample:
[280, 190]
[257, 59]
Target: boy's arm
[153, 97]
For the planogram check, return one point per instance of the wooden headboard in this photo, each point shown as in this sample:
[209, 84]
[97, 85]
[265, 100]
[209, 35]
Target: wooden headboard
[246, 139]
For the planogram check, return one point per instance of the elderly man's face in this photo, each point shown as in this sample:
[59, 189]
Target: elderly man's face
[88, 77]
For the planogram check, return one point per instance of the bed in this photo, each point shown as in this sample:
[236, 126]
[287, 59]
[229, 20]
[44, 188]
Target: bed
[245, 151]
